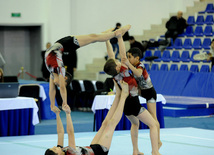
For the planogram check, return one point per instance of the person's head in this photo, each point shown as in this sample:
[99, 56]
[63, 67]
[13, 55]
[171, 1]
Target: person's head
[68, 78]
[118, 25]
[48, 45]
[131, 39]
[179, 14]
[212, 44]
[54, 151]
[112, 67]
[134, 55]
[1, 75]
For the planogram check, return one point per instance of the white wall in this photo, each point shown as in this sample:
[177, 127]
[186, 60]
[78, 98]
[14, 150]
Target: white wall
[60, 18]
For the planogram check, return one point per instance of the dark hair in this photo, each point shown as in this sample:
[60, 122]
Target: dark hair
[136, 52]
[110, 67]
[69, 78]
[50, 152]
[118, 24]
[212, 40]
[131, 38]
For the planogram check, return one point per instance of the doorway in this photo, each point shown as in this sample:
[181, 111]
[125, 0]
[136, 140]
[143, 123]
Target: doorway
[21, 47]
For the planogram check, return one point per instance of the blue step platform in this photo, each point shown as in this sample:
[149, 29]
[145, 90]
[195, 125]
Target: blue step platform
[182, 106]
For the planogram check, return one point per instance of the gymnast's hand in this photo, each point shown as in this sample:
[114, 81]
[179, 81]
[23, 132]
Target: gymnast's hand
[55, 109]
[66, 108]
[125, 61]
[125, 88]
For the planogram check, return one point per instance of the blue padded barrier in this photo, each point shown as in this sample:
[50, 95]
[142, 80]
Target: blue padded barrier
[200, 85]
[170, 82]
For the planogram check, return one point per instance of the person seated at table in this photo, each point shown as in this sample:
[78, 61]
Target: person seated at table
[1, 75]
[133, 109]
[101, 143]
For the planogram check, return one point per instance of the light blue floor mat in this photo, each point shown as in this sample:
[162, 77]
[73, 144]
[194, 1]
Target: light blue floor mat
[176, 141]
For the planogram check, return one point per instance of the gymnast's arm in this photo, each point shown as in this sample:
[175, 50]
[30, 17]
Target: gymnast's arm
[60, 128]
[70, 128]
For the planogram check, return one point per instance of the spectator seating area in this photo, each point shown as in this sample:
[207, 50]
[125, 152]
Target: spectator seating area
[175, 72]
[196, 39]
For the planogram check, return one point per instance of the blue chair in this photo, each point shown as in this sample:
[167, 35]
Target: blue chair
[147, 67]
[189, 31]
[194, 53]
[185, 56]
[206, 43]
[197, 43]
[187, 44]
[157, 53]
[166, 56]
[174, 67]
[194, 68]
[175, 56]
[209, 20]
[164, 67]
[200, 20]
[205, 68]
[209, 9]
[184, 67]
[191, 20]
[199, 31]
[154, 67]
[208, 31]
[148, 53]
[178, 43]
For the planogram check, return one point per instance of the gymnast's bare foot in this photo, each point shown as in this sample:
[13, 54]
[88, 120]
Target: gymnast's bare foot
[139, 153]
[121, 31]
[156, 153]
[108, 31]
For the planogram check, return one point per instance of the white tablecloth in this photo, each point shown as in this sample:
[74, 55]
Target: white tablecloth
[105, 101]
[20, 103]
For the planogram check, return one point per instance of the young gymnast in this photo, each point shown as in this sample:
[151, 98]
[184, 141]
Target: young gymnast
[101, 143]
[54, 63]
[144, 83]
[132, 109]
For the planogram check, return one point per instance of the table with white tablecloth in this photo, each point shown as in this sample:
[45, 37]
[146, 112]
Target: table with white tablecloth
[102, 104]
[18, 116]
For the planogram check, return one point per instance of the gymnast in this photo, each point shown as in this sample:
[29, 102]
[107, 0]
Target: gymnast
[54, 62]
[101, 143]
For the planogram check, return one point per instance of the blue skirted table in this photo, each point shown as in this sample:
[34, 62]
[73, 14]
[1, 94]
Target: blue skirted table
[45, 109]
[18, 116]
[102, 104]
